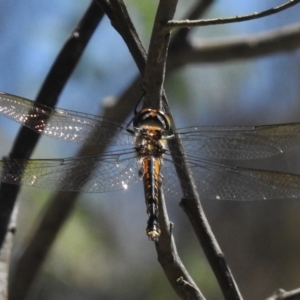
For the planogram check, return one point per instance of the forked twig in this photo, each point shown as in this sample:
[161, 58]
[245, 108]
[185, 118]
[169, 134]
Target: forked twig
[211, 247]
[166, 246]
[170, 261]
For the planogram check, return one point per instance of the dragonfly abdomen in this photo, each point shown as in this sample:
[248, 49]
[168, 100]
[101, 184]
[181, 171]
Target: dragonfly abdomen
[151, 168]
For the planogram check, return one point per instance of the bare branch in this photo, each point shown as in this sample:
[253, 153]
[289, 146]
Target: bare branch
[283, 295]
[230, 290]
[170, 261]
[154, 74]
[166, 247]
[235, 19]
[192, 207]
[282, 40]
[211, 248]
[50, 225]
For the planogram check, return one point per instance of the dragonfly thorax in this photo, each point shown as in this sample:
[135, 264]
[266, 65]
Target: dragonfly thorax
[148, 145]
[151, 127]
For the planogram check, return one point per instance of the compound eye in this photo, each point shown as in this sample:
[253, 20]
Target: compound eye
[151, 117]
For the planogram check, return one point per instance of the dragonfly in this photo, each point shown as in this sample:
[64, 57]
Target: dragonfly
[139, 152]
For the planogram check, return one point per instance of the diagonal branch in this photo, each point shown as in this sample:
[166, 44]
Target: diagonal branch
[48, 95]
[58, 210]
[235, 19]
[61, 70]
[206, 237]
[55, 215]
[154, 74]
[218, 50]
[169, 259]
[211, 247]
[166, 247]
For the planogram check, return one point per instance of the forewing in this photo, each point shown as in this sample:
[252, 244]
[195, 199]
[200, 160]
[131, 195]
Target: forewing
[64, 124]
[112, 171]
[234, 142]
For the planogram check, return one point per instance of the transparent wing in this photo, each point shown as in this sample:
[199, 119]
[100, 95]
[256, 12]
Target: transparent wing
[224, 142]
[224, 182]
[63, 124]
[115, 170]
[234, 142]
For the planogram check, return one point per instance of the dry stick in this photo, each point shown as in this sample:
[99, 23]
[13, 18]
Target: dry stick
[207, 240]
[166, 248]
[60, 207]
[235, 19]
[168, 257]
[192, 207]
[53, 85]
[202, 228]
[154, 74]
[61, 204]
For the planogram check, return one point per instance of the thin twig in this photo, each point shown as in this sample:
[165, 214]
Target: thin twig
[235, 19]
[166, 247]
[50, 225]
[206, 237]
[193, 207]
[168, 257]
[211, 247]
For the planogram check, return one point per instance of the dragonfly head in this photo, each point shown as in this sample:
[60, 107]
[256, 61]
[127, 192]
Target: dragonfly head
[153, 119]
